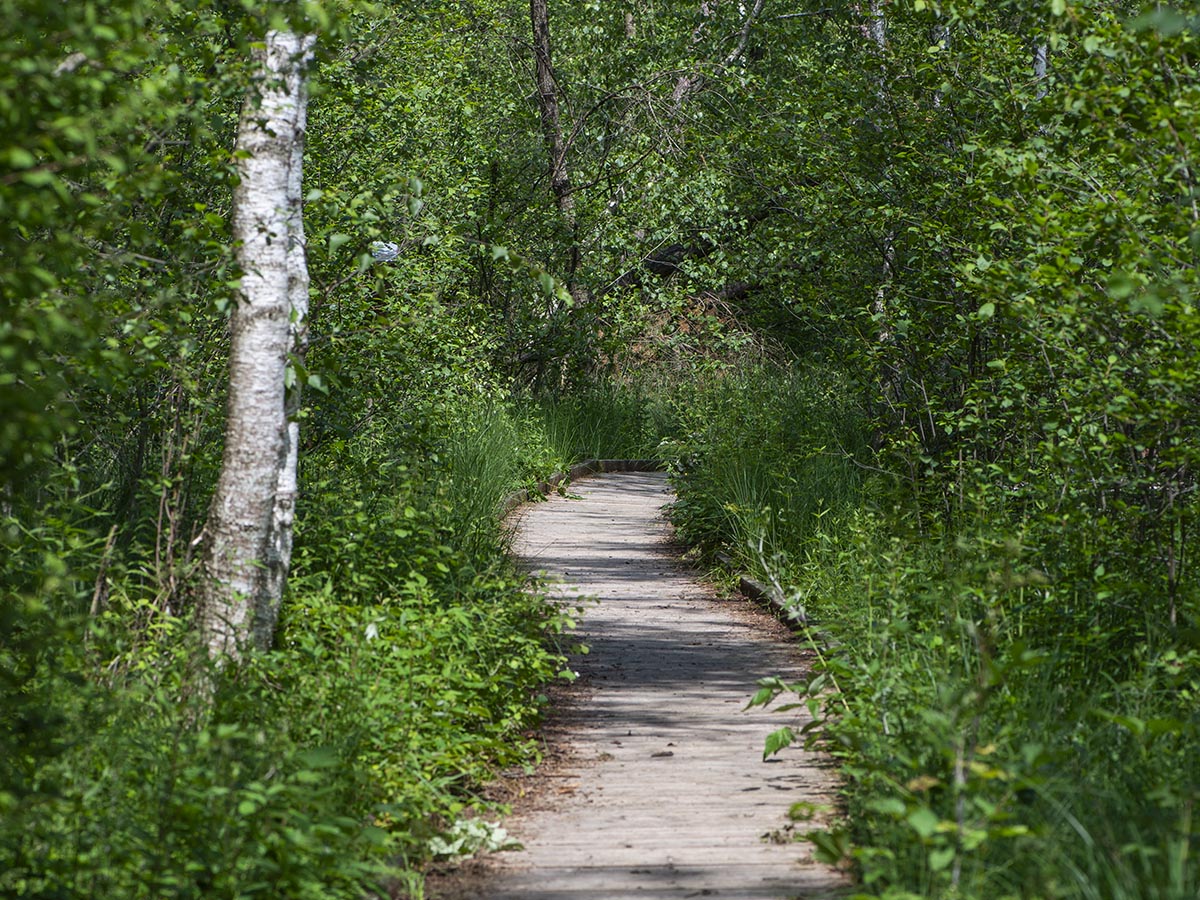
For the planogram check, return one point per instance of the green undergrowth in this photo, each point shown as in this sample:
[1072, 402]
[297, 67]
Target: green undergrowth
[761, 457]
[408, 668]
[317, 771]
[605, 421]
[133, 784]
[1005, 727]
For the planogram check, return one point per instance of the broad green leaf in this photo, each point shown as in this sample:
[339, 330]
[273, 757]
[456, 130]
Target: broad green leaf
[20, 158]
[940, 858]
[778, 740]
[923, 821]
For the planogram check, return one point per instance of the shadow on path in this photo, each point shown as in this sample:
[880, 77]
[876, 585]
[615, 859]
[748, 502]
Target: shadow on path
[665, 793]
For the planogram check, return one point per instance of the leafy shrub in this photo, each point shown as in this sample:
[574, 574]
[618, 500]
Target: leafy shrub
[154, 793]
[427, 696]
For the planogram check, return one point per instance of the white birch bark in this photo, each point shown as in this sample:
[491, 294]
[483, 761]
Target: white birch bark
[284, 514]
[941, 38]
[1041, 67]
[690, 82]
[875, 30]
[876, 25]
[248, 532]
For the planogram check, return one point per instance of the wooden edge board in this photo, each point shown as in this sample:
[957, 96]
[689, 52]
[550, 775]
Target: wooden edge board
[758, 592]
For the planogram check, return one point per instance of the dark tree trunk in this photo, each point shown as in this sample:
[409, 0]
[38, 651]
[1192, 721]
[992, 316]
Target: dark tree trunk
[552, 131]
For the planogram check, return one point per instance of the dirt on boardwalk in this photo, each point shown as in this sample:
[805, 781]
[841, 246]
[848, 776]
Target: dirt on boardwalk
[655, 786]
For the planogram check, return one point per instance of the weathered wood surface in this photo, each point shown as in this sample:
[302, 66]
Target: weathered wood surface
[664, 793]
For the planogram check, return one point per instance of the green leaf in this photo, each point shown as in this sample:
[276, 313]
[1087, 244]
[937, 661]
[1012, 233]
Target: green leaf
[20, 158]
[924, 821]
[321, 757]
[1161, 726]
[1132, 724]
[1166, 22]
[1121, 285]
[777, 740]
[38, 178]
[803, 811]
[940, 858]
[1148, 303]
[831, 847]
[761, 697]
[889, 806]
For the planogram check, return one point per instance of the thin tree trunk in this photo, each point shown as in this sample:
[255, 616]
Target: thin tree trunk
[874, 28]
[873, 25]
[876, 25]
[248, 531]
[941, 38]
[556, 145]
[692, 82]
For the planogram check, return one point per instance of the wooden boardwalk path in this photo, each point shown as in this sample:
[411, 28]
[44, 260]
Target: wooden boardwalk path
[662, 792]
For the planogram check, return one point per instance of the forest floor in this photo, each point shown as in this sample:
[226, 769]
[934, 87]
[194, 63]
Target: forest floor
[654, 784]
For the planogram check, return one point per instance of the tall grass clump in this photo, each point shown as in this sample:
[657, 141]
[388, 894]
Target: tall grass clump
[487, 455]
[760, 457]
[608, 420]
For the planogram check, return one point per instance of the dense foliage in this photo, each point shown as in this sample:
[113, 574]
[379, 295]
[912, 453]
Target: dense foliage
[1006, 568]
[907, 290]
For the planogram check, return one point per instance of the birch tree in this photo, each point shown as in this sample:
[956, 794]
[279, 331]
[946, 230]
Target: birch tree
[1041, 67]
[248, 538]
